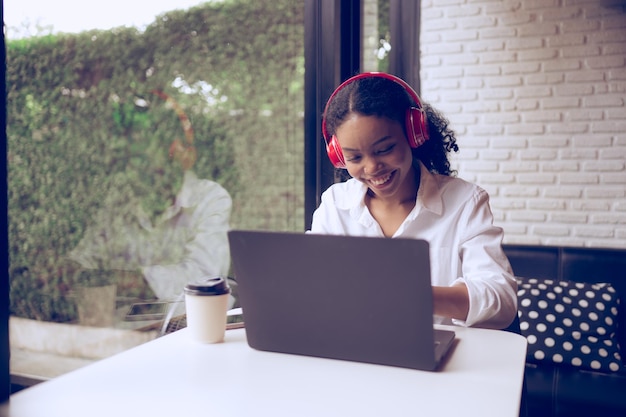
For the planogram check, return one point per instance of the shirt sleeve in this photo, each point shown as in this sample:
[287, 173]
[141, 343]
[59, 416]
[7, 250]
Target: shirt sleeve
[486, 270]
[325, 217]
[206, 251]
[319, 220]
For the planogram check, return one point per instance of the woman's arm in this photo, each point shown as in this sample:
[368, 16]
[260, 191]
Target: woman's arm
[452, 302]
[486, 273]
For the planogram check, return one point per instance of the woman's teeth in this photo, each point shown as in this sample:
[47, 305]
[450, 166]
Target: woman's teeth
[381, 180]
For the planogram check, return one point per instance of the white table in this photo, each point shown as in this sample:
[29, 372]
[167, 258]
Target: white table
[175, 376]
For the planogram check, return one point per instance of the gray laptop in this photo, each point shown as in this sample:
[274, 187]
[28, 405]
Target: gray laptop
[341, 297]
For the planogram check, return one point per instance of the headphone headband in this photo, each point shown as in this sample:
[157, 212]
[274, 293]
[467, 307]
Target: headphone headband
[415, 120]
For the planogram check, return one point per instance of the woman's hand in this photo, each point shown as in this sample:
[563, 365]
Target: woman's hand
[451, 302]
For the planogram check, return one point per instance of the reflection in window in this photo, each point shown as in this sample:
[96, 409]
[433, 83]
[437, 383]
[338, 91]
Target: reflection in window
[131, 152]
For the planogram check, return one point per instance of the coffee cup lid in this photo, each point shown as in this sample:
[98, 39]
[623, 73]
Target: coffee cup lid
[208, 286]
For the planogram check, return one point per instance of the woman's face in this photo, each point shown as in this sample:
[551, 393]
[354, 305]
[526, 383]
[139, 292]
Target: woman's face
[377, 154]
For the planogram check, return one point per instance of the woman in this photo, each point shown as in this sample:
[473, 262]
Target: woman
[396, 152]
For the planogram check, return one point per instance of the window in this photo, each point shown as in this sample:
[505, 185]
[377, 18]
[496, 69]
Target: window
[93, 116]
[130, 151]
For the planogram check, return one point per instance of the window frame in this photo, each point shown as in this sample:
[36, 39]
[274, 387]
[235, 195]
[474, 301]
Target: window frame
[5, 382]
[332, 48]
[332, 51]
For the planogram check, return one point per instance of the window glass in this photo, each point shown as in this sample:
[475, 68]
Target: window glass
[376, 35]
[132, 147]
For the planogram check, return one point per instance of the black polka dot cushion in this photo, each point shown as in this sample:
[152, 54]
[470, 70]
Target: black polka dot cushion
[570, 323]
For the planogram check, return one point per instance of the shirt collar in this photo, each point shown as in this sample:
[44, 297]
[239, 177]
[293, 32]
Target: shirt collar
[354, 197]
[428, 195]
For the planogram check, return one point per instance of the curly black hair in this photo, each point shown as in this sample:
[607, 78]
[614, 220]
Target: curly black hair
[383, 97]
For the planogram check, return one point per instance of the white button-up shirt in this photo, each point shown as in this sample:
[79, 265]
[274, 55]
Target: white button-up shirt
[188, 242]
[455, 218]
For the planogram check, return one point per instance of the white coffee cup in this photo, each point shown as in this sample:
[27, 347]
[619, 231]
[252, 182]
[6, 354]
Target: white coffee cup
[206, 303]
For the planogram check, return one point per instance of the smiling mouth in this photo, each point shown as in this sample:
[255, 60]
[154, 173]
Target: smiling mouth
[378, 181]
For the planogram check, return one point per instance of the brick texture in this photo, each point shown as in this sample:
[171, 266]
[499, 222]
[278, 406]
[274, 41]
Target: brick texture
[536, 91]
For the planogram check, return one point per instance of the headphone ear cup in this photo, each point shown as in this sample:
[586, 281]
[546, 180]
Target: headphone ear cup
[334, 153]
[416, 127]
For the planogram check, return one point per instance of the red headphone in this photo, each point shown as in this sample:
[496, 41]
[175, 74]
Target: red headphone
[415, 121]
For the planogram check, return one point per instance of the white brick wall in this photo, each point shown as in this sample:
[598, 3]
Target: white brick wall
[536, 91]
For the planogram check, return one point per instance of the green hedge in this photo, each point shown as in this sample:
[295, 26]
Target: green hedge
[76, 104]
